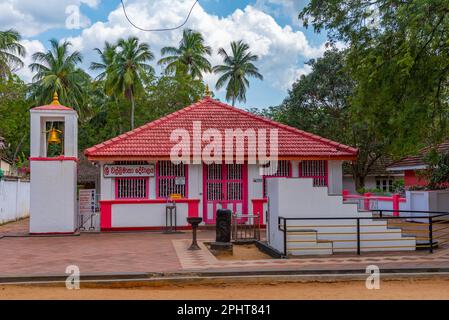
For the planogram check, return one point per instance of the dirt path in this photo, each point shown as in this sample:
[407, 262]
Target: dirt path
[404, 289]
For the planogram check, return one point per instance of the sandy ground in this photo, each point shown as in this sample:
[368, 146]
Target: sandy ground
[403, 289]
[244, 252]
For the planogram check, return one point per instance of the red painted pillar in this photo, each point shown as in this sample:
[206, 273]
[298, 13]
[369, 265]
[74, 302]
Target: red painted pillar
[366, 196]
[396, 205]
[105, 215]
[345, 194]
[258, 208]
[193, 209]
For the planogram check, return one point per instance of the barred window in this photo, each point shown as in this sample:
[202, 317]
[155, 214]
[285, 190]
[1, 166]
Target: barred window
[131, 188]
[171, 179]
[283, 170]
[316, 169]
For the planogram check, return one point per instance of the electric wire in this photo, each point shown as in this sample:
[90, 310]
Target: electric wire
[162, 29]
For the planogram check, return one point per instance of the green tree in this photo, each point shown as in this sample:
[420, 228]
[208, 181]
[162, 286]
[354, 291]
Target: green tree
[11, 52]
[398, 53]
[107, 57]
[57, 71]
[320, 102]
[129, 69]
[14, 124]
[235, 70]
[189, 57]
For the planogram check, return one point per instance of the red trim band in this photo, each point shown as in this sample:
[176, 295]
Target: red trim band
[146, 201]
[106, 210]
[158, 228]
[50, 233]
[60, 158]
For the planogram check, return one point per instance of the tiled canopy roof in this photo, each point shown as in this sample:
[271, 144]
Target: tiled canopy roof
[53, 107]
[417, 161]
[153, 139]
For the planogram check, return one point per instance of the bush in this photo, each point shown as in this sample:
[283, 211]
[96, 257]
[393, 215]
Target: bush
[438, 173]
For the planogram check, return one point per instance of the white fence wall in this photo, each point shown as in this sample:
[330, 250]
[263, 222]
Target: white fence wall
[14, 200]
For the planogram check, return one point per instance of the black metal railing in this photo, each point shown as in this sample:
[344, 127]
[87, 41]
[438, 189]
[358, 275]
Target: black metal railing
[429, 229]
[245, 227]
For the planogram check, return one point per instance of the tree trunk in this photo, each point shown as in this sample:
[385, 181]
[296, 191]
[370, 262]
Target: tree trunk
[233, 100]
[359, 181]
[132, 110]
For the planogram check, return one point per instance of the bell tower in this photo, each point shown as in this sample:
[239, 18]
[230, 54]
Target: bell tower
[53, 166]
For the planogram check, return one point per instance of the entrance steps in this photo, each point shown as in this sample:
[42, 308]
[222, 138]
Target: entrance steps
[315, 237]
[306, 242]
[318, 223]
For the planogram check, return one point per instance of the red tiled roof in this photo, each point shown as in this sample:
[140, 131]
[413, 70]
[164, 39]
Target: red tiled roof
[418, 159]
[53, 107]
[153, 139]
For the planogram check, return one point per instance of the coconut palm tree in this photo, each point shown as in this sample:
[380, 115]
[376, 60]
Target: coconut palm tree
[189, 56]
[235, 71]
[129, 69]
[57, 71]
[11, 52]
[107, 56]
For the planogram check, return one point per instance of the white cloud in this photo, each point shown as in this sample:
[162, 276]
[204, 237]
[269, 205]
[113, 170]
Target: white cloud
[31, 46]
[281, 50]
[31, 17]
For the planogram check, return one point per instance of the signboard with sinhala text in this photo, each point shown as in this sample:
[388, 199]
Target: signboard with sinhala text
[118, 171]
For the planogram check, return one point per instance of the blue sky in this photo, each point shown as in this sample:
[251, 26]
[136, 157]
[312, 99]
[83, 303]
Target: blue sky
[270, 27]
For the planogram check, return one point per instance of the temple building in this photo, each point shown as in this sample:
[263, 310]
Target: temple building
[139, 174]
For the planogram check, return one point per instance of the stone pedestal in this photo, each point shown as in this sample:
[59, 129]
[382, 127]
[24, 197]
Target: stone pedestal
[222, 244]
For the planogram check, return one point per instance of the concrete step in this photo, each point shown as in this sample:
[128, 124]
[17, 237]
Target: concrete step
[387, 244]
[301, 235]
[390, 234]
[310, 248]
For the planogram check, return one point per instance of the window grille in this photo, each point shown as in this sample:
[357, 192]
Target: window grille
[234, 183]
[316, 169]
[171, 179]
[214, 182]
[131, 188]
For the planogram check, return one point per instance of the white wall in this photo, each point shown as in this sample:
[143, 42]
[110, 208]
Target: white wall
[195, 184]
[145, 215]
[14, 200]
[255, 185]
[53, 206]
[335, 177]
[435, 200]
[107, 185]
[298, 198]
